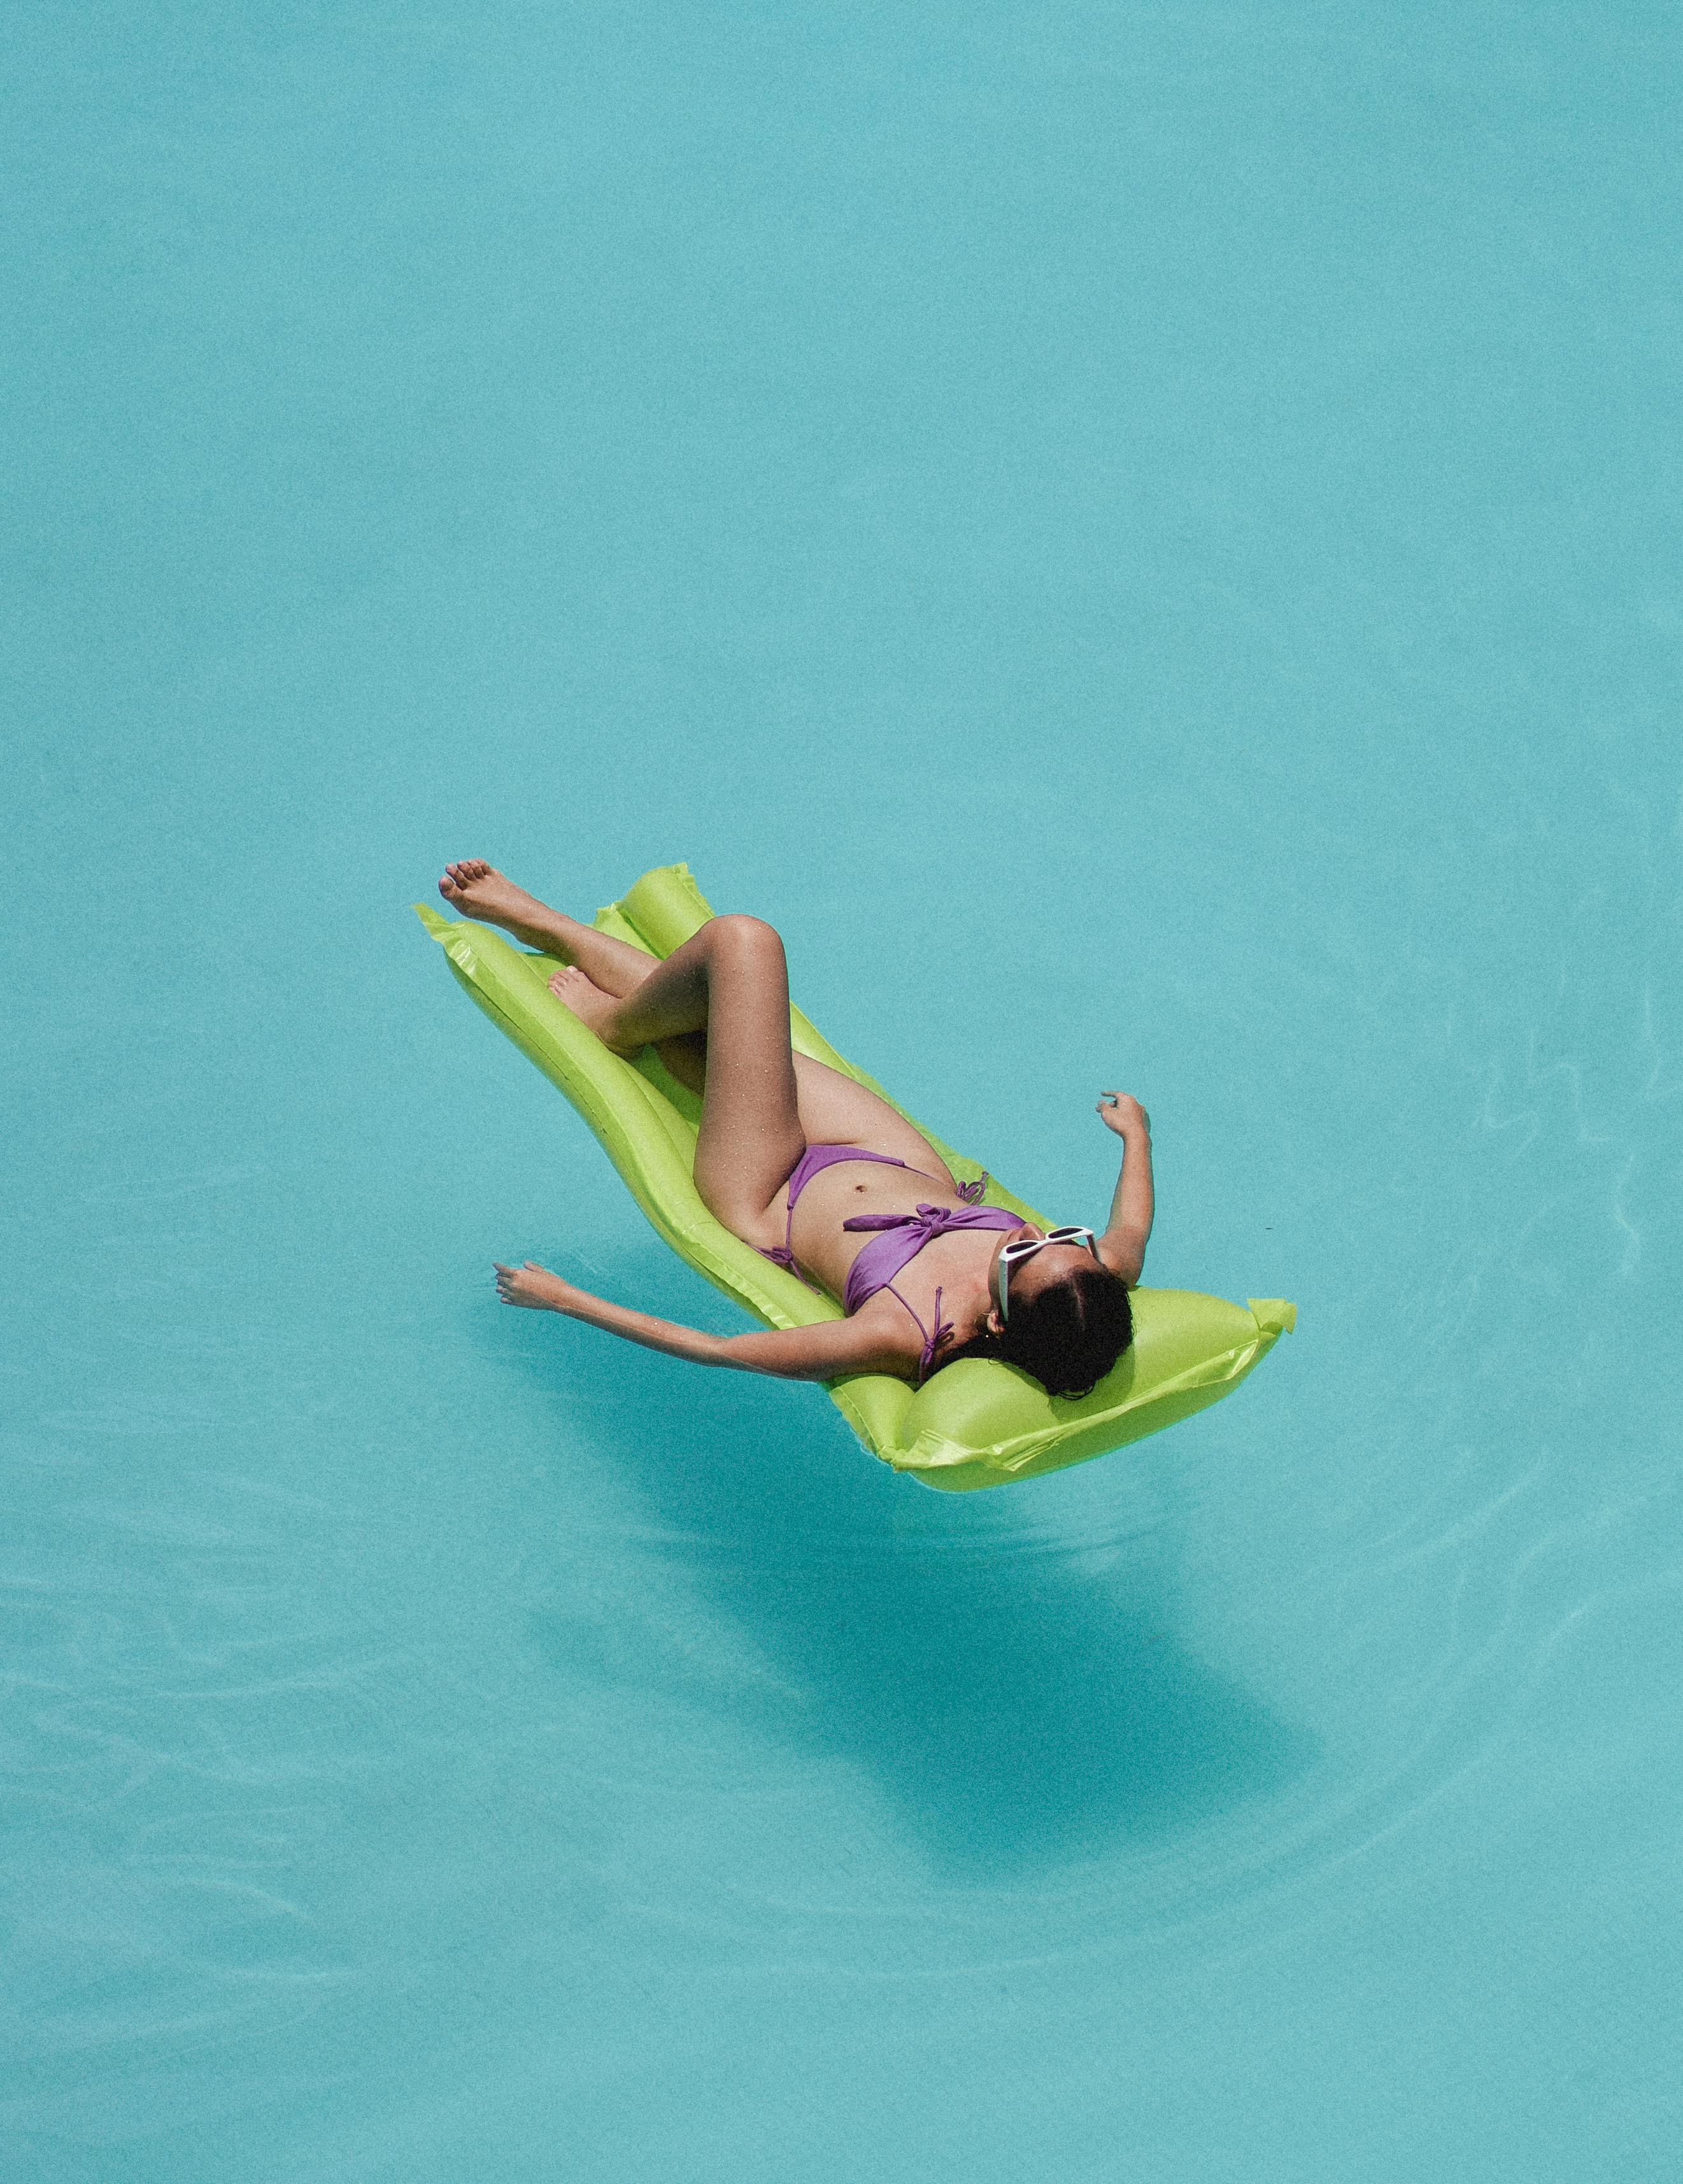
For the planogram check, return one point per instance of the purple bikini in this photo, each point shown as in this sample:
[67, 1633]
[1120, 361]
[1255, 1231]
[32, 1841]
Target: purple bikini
[904, 1236]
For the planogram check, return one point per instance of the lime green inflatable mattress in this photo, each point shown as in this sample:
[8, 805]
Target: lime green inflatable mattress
[976, 1423]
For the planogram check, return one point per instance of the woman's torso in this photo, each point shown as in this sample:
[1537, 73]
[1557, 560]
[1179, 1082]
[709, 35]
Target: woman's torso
[835, 1110]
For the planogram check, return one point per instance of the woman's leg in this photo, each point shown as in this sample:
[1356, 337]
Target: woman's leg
[828, 1107]
[479, 891]
[730, 982]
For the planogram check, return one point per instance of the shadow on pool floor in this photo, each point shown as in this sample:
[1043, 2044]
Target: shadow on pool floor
[1012, 1701]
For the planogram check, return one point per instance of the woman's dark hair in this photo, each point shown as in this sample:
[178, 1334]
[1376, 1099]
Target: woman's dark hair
[1068, 1336]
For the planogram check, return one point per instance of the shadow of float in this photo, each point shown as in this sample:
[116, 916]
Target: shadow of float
[1016, 1690]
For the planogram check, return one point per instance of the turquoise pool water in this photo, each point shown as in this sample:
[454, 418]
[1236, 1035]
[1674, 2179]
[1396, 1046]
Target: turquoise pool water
[1158, 520]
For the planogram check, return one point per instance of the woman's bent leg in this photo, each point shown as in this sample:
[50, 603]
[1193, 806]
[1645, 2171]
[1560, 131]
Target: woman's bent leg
[730, 981]
[717, 1010]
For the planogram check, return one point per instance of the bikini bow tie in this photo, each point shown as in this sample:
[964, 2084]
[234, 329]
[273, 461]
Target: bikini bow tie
[934, 1219]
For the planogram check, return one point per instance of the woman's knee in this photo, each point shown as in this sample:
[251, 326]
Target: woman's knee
[748, 936]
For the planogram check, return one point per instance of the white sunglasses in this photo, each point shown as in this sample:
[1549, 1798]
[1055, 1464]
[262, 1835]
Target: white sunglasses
[1013, 1255]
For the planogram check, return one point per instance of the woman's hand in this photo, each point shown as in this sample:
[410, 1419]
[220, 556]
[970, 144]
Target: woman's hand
[534, 1287]
[1121, 1113]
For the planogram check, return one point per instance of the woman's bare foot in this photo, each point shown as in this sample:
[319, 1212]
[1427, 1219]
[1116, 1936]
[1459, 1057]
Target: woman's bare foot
[479, 890]
[590, 1005]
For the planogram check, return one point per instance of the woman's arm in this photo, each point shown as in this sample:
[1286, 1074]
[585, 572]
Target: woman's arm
[1122, 1245]
[823, 1352]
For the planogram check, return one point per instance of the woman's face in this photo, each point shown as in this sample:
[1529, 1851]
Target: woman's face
[1028, 1277]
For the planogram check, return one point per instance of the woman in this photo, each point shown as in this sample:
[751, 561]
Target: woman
[825, 1177]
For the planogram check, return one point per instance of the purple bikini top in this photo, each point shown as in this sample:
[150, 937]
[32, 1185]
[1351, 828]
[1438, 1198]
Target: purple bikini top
[904, 1236]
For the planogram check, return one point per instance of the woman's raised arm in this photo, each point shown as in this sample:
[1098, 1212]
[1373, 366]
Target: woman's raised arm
[1133, 1205]
[824, 1352]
